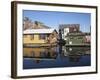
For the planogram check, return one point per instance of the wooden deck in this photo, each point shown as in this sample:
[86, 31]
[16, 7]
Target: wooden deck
[39, 45]
[77, 45]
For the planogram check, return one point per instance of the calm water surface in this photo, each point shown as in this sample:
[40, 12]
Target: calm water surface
[61, 56]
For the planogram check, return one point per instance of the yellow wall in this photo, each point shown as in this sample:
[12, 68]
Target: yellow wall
[27, 40]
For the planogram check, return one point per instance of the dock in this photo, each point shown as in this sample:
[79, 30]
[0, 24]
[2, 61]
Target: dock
[39, 45]
[77, 45]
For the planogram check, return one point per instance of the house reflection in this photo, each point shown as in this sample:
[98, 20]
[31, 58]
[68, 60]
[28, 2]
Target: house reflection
[61, 53]
[74, 58]
[74, 54]
[40, 53]
[74, 50]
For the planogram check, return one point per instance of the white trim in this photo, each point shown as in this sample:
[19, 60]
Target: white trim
[38, 31]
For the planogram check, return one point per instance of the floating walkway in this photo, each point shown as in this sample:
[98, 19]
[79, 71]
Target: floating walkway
[39, 45]
[77, 45]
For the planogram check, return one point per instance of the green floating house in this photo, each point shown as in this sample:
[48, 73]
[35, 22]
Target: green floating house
[73, 36]
[75, 39]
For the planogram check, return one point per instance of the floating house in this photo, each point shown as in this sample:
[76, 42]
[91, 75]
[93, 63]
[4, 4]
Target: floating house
[72, 35]
[68, 28]
[75, 39]
[78, 38]
[40, 36]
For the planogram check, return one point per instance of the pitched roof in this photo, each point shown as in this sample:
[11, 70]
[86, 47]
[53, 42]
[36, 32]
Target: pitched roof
[62, 26]
[76, 34]
[38, 31]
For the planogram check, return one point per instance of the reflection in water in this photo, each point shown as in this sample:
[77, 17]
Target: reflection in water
[61, 56]
[41, 53]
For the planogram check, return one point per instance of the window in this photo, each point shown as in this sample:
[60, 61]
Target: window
[71, 37]
[62, 31]
[32, 37]
[79, 37]
[25, 36]
[48, 35]
[42, 36]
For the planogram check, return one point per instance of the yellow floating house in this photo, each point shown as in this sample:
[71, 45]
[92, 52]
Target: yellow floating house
[40, 36]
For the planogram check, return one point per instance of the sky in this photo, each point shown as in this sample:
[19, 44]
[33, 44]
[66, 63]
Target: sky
[53, 19]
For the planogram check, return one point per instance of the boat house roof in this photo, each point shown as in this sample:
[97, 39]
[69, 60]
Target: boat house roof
[38, 31]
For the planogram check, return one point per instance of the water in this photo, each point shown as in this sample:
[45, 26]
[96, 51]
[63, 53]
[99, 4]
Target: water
[52, 57]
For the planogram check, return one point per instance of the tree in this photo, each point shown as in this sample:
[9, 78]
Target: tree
[27, 23]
